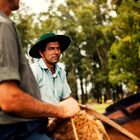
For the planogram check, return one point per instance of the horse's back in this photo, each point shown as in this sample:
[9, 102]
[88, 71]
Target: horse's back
[132, 127]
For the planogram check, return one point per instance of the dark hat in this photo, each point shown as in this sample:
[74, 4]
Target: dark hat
[46, 38]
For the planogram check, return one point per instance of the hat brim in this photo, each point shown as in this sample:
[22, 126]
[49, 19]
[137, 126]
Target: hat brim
[62, 39]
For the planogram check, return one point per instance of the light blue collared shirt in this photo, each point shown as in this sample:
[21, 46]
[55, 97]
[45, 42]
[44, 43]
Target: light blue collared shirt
[53, 88]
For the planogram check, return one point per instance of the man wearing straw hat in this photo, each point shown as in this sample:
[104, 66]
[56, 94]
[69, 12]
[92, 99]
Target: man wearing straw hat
[49, 75]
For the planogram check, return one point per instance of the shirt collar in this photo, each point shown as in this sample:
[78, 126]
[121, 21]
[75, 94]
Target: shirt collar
[4, 15]
[5, 18]
[44, 66]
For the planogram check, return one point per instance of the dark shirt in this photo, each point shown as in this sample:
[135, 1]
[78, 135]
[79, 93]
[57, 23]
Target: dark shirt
[14, 65]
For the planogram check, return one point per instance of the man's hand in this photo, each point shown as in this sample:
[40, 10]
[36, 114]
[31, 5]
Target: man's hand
[68, 108]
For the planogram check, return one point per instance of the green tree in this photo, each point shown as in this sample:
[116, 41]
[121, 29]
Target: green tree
[124, 53]
[26, 27]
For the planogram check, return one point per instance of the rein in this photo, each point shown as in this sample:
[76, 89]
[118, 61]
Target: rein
[109, 122]
[74, 129]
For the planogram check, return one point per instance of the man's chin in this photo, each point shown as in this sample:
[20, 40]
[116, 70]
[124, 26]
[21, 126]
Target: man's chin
[55, 61]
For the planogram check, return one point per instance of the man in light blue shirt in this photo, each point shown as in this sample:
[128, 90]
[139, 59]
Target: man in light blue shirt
[49, 75]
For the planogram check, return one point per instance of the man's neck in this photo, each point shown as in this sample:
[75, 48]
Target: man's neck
[52, 69]
[5, 9]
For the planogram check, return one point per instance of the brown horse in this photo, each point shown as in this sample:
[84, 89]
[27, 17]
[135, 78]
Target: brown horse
[127, 114]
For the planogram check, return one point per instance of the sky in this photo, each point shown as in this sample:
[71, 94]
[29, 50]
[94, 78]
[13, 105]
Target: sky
[39, 5]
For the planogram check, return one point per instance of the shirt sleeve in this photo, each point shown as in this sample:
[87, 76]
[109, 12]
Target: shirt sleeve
[9, 59]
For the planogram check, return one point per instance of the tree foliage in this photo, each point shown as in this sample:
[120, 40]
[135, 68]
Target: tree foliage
[124, 53]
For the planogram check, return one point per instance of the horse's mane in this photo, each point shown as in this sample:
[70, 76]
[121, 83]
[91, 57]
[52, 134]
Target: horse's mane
[125, 102]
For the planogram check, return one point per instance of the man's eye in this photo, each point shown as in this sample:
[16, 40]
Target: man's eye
[51, 48]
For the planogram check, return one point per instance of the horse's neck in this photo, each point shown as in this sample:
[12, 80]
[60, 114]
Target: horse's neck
[125, 114]
[123, 103]
[132, 126]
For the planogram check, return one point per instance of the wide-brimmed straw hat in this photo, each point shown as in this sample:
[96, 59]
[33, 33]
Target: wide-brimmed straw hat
[46, 38]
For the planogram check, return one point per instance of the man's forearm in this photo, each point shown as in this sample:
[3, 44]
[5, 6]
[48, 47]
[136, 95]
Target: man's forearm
[14, 100]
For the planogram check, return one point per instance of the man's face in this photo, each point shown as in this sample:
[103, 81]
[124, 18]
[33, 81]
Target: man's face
[13, 4]
[52, 53]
